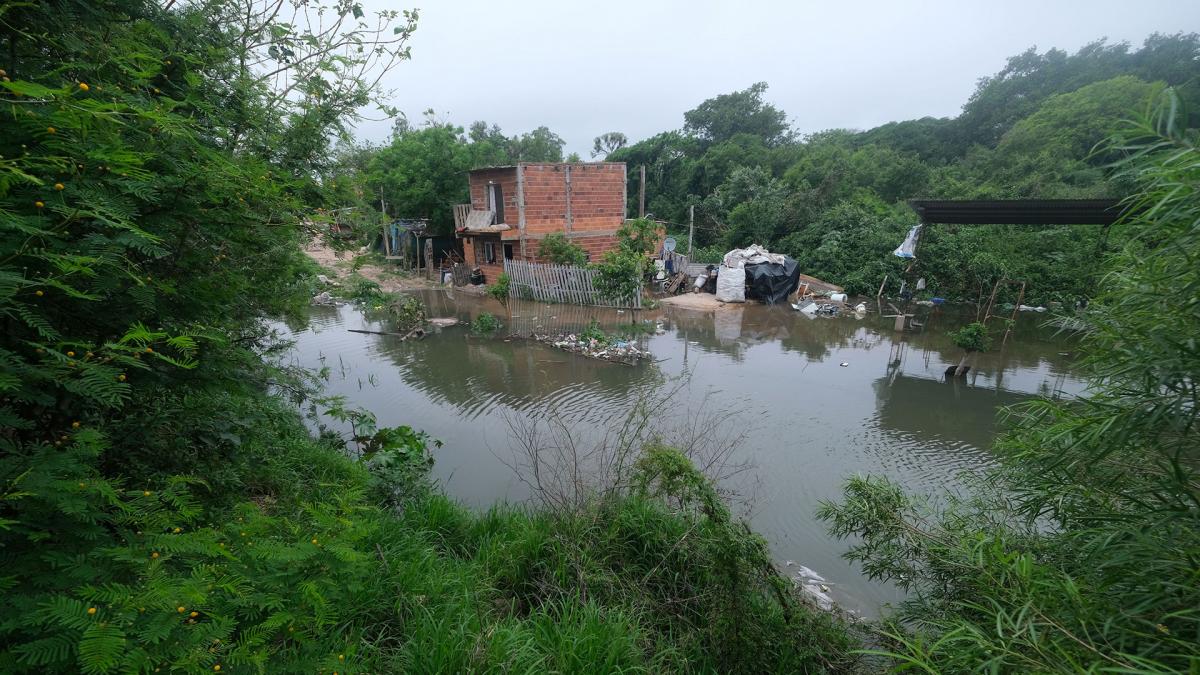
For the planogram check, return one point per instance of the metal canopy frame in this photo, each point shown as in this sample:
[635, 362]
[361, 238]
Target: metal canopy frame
[1018, 211]
[1045, 212]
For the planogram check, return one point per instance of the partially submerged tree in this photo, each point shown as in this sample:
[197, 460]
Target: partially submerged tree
[972, 339]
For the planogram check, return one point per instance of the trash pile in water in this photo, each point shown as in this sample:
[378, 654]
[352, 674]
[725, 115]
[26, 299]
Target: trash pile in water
[617, 350]
[833, 305]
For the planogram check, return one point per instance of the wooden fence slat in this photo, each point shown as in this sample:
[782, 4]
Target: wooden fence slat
[560, 283]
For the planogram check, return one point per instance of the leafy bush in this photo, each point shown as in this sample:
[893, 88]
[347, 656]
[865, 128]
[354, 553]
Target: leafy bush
[559, 250]
[485, 324]
[972, 337]
[594, 332]
[620, 274]
[500, 289]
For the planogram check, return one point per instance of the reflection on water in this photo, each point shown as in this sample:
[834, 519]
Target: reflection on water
[805, 421]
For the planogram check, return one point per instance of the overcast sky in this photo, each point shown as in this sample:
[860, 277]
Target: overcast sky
[584, 68]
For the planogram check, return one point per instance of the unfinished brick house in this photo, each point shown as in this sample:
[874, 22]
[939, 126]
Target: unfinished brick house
[514, 207]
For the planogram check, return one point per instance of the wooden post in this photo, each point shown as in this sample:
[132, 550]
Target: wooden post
[642, 192]
[881, 285]
[691, 228]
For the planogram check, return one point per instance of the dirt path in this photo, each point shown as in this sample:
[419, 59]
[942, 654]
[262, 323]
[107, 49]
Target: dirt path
[341, 264]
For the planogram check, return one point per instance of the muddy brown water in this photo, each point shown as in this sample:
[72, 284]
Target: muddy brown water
[772, 378]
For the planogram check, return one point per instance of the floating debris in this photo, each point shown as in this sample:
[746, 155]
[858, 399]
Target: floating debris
[813, 585]
[325, 299]
[616, 351]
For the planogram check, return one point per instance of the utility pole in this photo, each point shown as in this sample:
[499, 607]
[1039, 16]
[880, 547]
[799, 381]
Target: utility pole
[691, 227]
[387, 246]
[642, 192]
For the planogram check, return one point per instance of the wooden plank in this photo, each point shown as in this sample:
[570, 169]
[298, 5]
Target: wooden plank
[564, 284]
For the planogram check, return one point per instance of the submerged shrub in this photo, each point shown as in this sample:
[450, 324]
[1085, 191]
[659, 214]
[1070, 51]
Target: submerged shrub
[485, 324]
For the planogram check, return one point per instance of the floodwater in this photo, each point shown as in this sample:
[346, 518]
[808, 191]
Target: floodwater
[804, 402]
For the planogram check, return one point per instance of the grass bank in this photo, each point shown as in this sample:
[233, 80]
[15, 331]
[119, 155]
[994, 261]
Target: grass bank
[280, 552]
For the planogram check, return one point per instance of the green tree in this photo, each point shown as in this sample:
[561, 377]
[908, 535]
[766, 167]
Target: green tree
[607, 144]
[422, 174]
[722, 117]
[559, 250]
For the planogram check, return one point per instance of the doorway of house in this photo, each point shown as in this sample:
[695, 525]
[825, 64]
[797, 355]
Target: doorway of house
[508, 251]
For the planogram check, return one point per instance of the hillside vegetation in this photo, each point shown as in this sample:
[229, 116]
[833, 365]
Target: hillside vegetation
[836, 200]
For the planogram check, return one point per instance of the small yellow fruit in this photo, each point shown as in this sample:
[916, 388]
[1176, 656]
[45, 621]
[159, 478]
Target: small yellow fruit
[83, 485]
[74, 425]
[51, 130]
[341, 657]
[145, 493]
[89, 355]
[177, 530]
[70, 353]
[38, 293]
[217, 667]
[314, 541]
[194, 614]
[181, 610]
[91, 610]
[149, 350]
[39, 203]
[154, 555]
[60, 187]
[83, 86]
[121, 377]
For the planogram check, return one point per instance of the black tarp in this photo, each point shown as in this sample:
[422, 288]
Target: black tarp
[770, 282]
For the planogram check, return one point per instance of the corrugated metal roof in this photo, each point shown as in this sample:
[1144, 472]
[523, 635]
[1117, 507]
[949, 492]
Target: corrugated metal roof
[1018, 211]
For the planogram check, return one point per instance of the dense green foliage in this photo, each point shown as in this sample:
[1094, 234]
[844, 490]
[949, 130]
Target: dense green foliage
[836, 200]
[163, 507]
[556, 248]
[972, 337]
[500, 289]
[422, 171]
[1080, 553]
[622, 270]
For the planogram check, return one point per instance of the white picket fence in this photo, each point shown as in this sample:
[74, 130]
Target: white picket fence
[560, 283]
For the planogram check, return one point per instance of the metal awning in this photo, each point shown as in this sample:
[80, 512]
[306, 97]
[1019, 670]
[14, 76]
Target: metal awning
[1018, 211]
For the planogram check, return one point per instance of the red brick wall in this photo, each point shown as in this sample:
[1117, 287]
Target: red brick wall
[597, 195]
[597, 203]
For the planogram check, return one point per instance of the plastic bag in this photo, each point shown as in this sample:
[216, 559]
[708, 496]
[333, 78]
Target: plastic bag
[909, 248]
[731, 284]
